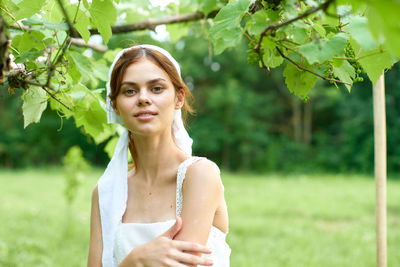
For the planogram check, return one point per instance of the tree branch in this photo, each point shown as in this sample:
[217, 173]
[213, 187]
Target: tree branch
[310, 71]
[151, 24]
[81, 42]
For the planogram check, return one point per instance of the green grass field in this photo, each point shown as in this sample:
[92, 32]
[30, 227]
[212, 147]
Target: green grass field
[275, 220]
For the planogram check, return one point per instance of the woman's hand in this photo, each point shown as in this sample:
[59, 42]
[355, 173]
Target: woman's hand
[164, 251]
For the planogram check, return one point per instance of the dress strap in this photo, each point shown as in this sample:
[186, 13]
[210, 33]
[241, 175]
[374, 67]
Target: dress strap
[179, 181]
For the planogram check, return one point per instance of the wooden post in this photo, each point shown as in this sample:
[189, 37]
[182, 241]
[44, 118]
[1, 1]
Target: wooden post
[380, 170]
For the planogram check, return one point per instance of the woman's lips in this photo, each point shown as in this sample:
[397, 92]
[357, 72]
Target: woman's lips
[145, 117]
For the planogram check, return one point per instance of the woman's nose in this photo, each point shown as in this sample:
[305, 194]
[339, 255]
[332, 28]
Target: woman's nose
[143, 97]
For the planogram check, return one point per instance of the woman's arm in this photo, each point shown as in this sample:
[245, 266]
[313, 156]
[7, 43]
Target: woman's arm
[96, 242]
[202, 192]
[161, 251]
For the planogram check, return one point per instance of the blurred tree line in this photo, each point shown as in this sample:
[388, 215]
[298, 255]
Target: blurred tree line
[246, 119]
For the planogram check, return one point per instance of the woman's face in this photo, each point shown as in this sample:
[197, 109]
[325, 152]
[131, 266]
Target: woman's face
[145, 87]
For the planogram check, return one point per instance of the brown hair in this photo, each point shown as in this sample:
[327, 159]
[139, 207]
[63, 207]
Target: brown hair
[135, 55]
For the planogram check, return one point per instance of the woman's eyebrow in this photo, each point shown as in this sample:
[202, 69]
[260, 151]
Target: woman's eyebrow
[148, 82]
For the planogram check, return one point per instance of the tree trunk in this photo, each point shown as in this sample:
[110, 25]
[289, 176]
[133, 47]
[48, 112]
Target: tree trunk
[4, 59]
[307, 125]
[296, 119]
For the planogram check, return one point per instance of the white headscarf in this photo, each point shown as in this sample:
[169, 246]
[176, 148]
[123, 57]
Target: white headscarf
[112, 185]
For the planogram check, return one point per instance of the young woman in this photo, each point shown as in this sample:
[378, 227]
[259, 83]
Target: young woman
[169, 209]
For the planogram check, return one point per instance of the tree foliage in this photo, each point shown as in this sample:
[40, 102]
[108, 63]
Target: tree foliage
[56, 64]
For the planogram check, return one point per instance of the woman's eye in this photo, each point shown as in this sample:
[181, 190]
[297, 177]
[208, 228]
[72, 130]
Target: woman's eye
[157, 88]
[129, 92]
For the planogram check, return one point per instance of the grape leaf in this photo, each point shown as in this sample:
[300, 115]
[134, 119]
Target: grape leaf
[206, 6]
[28, 55]
[320, 29]
[35, 102]
[103, 14]
[82, 21]
[53, 12]
[257, 22]
[83, 65]
[324, 49]
[47, 24]
[343, 70]
[28, 7]
[298, 81]
[27, 41]
[384, 23]
[359, 31]
[73, 71]
[271, 57]
[374, 62]
[298, 33]
[90, 114]
[227, 32]
[177, 31]
[110, 147]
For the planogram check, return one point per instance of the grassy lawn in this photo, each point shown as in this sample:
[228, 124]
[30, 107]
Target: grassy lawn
[275, 220]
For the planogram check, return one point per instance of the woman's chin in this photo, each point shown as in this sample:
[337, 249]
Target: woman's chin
[144, 130]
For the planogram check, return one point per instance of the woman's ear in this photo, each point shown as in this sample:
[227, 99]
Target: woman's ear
[180, 98]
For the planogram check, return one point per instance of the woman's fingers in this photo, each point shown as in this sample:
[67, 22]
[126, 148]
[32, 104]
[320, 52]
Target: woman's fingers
[190, 246]
[190, 259]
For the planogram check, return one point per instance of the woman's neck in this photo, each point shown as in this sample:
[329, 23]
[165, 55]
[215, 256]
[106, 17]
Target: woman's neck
[156, 154]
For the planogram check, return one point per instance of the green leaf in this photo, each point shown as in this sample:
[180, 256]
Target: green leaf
[111, 145]
[359, 31]
[53, 12]
[257, 22]
[344, 71]
[12, 8]
[83, 65]
[86, 4]
[177, 31]
[82, 25]
[374, 62]
[35, 102]
[73, 70]
[324, 49]
[82, 22]
[206, 6]
[104, 15]
[90, 113]
[384, 23]
[47, 24]
[298, 34]
[271, 57]
[100, 70]
[298, 81]
[320, 29]
[28, 40]
[227, 32]
[28, 7]
[28, 55]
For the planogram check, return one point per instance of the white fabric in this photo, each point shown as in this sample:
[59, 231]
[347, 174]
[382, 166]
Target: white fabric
[112, 185]
[131, 235]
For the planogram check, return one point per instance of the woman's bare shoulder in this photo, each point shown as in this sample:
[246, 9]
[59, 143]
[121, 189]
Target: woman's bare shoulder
[205, 172]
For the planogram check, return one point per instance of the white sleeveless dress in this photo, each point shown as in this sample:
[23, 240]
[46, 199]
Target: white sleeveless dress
[131, 235]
